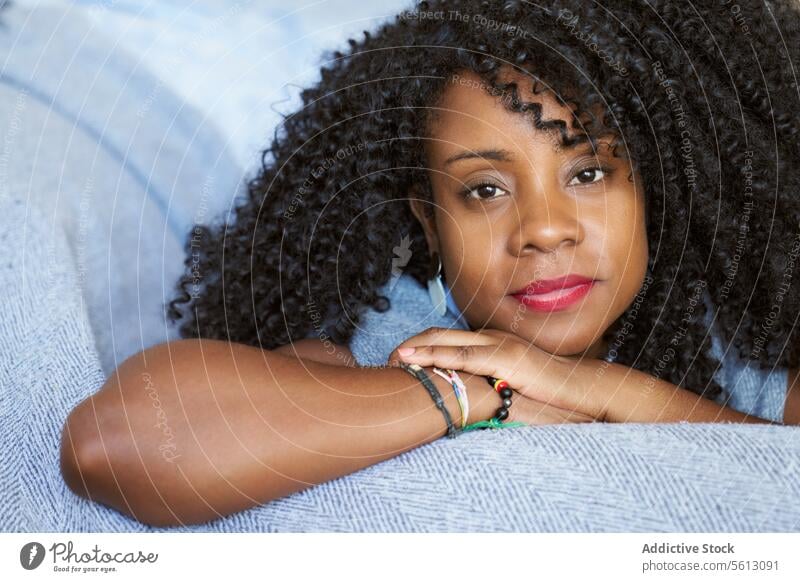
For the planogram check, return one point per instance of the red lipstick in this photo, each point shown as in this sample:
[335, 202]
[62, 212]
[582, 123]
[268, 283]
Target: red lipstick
[554, 294]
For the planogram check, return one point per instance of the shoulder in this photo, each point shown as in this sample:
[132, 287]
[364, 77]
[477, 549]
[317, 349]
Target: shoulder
[410, 313]
[748, 388]
[754, 390]
[405, 293]
[791, 410]
[377, 333]
[409, 305]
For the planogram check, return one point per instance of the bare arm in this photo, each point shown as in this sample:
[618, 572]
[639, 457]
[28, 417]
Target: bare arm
[189, 431]
[635, 396]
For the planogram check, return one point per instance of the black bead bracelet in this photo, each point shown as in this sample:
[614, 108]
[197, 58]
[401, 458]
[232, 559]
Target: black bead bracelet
[501, 387]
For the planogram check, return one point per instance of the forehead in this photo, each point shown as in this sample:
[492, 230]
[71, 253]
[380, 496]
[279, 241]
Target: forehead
[467, 111]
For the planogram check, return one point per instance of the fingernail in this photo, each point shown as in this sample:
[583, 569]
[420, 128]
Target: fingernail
[405, 351]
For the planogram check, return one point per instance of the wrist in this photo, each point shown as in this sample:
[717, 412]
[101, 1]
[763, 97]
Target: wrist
[483, 400]
[591, 393]
[448, 396]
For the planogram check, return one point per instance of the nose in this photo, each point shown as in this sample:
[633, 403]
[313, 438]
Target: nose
[547, 219]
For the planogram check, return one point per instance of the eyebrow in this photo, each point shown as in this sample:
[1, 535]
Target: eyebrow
[501, 155]
[497, 155]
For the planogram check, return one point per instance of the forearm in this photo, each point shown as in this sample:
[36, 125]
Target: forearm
[631, 395]
[236, 426]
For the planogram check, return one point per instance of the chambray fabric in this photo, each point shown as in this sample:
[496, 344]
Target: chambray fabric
[751, 390]
[761, 392]
[578, 478]
[109, 153]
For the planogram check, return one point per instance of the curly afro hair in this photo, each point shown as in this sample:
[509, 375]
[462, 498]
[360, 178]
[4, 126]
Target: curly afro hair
[702, 95]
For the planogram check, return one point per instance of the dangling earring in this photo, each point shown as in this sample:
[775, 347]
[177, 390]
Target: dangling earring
[435, 286]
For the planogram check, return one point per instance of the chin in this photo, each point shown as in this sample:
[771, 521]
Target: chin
[557, 345]
[565, 350]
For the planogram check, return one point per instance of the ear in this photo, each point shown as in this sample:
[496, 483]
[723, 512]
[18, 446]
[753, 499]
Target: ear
[423, 210]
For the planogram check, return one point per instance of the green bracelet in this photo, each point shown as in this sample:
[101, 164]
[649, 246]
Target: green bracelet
[492, 423]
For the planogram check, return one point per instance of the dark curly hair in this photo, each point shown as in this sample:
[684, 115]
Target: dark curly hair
[702, 95]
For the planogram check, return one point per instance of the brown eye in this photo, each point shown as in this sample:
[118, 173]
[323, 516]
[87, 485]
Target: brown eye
[483, 192]
[587, 176]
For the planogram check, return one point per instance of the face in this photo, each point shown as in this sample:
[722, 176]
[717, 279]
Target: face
[514, 212]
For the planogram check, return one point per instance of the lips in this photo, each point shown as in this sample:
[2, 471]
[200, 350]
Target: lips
[548, 285]
[554, 294]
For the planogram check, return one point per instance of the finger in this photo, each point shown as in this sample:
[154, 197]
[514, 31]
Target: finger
[508, 363]
[482, 360]
[449, 337]
[442, 336]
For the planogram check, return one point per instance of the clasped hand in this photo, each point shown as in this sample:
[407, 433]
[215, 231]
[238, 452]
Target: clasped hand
[547, 386]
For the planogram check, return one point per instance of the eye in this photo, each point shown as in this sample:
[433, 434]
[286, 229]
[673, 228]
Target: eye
[589, 176]
[485, 191]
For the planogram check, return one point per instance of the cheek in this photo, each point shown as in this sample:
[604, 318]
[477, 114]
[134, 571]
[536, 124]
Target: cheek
[471, 248]
[625, 237]
[625, 231]
[471, 259]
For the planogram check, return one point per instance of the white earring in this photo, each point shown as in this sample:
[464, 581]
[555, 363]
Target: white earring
[435, 287]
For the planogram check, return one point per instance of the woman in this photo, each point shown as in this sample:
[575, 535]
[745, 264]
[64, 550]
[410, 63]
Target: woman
[561, 169]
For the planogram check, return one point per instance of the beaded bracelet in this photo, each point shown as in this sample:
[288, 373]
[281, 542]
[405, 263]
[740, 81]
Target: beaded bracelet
[420, 374]
[502, 388]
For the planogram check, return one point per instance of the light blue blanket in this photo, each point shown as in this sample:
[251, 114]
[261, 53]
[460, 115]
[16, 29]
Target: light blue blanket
[94, 194]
